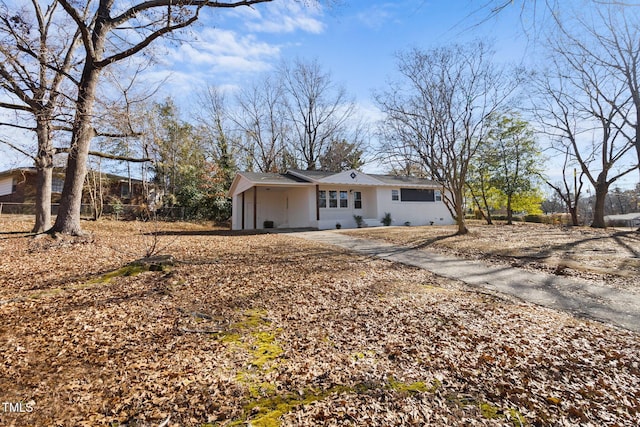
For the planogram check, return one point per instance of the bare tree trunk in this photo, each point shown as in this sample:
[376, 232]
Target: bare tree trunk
[602, 188]
[573, 211]
[486, 205]
[68, 219]
[459, 211]
[44, 177]
[485, 212]
[509, 210]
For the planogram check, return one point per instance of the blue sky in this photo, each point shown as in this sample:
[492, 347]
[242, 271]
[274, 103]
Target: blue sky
[354, 40]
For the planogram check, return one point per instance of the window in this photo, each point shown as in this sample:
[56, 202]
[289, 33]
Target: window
[395, 195]
[333, 199]
[337, 199]
[438, 196]
[125, 192]
[344, 199]
[6, 186]
[417, 195]
[357, 200]
[322, 199]
[56, 185]
[14, 185]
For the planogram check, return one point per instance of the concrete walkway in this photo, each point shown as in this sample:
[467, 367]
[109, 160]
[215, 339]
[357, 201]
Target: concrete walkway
[575, 296]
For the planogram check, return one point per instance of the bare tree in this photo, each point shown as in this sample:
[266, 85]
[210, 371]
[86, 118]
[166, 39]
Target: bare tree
[261, 120]
[37, 56]
[341, 156]
[439, 111]
[111, 32]
[586, 102]
[317, 110]
[495, 7]
[214, 119]
[612, 44]
[569, 192]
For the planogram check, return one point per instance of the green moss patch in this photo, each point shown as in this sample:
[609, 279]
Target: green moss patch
[494, 412]
[126, 271]
[253, 333]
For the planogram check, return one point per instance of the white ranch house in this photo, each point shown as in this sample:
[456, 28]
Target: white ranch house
[317, 199]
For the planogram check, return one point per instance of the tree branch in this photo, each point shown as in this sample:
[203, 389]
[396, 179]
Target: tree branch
[15, 107]
[118, 135]
[18, 149]
[133, 11]
[82, 27]
[130, 13]
[61, 150]
[18, 126]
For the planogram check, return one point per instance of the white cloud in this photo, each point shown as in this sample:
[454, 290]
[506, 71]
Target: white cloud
[286, 16]
[222, 51]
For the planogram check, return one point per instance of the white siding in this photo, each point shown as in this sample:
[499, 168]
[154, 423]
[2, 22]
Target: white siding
[300, 206]
[330, 216]
[6, 186]
[295, 207]
[236, 212]
[287, 207]
[417, 213]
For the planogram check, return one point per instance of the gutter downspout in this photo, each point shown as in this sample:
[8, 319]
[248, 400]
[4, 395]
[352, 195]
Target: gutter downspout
[317, 202]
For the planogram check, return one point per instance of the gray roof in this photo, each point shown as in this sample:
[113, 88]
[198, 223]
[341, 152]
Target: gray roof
[288, 178]
[624, 217]
[272, 178]
[315, 175]
[404, 180]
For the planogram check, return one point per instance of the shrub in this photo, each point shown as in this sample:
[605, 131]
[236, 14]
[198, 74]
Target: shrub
[386, 219]
[539, 219]
[117, 208]
[359, 220]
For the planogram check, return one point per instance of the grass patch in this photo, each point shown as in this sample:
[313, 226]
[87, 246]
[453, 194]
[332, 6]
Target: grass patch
[415, 387]
[126, 271]
[510, 414]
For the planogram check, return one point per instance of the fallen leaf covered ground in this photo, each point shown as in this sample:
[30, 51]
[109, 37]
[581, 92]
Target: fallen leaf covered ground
[269, 329]
[607, 256]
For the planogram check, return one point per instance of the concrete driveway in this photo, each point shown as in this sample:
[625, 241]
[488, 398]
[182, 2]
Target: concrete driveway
[575, 296]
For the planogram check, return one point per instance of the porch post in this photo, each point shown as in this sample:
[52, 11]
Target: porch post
[242, 210]
[317, 202]
[255, 208]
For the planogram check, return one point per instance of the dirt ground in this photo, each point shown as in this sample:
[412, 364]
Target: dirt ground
[269, 330]
[610, 257]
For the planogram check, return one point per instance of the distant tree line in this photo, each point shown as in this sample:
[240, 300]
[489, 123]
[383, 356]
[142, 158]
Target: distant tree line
[451, 113]
[294, 117]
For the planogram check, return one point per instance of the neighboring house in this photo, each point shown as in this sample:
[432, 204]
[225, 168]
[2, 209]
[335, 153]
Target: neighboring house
[19, 186]
[316, 199]
[630, 219]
